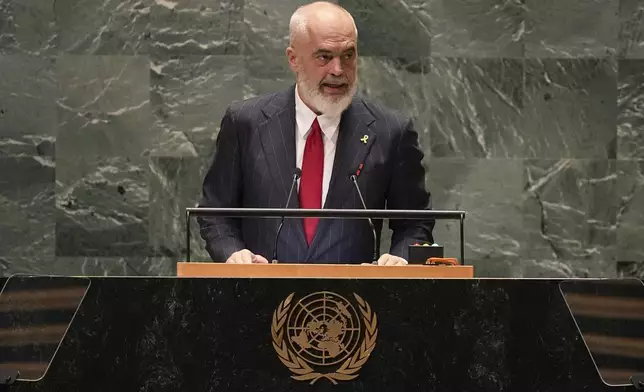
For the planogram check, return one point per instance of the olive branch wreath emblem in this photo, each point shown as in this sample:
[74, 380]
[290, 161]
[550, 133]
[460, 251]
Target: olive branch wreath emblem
[302, 371]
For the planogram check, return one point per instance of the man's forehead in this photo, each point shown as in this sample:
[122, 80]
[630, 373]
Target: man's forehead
[336, 46]
[332, 41]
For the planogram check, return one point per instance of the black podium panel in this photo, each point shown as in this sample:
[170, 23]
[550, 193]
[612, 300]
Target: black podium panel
[178, 334]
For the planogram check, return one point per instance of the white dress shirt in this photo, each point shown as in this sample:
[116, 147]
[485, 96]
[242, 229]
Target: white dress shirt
[329, 124]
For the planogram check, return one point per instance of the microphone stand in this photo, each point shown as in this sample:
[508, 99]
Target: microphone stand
[376, 246]
[296, 176]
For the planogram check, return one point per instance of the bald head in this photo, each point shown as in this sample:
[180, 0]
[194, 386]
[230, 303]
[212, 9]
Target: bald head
[323, 53]
[311, 18]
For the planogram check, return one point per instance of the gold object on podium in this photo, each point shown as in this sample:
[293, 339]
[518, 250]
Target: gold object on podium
[323, 336]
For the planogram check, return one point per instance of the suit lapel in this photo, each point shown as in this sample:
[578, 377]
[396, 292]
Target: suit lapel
[355, 139]
[277, 135]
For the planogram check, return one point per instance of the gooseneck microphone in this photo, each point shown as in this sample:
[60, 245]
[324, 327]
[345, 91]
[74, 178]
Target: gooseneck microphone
[376, 246]
[297, 173]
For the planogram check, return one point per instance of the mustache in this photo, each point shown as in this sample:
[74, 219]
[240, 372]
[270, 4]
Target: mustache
[335, 81]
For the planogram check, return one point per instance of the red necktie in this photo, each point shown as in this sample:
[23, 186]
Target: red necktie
[311, 180]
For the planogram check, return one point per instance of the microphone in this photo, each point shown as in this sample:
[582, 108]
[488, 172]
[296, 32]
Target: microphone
[376, 246]
[297, 173]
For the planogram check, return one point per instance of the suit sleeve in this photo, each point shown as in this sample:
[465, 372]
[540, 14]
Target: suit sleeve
[407, 191]
[222, 188]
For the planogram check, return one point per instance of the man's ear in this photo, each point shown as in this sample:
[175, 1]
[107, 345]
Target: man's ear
[292, 58]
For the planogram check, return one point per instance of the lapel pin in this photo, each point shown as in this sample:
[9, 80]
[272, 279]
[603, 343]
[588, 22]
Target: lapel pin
[364, 139]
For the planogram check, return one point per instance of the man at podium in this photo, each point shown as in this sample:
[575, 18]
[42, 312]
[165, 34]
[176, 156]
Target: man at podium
[312, 138]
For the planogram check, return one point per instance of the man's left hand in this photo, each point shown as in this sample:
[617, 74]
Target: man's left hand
[387, 259]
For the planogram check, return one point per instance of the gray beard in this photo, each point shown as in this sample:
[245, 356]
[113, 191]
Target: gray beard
[324, 104]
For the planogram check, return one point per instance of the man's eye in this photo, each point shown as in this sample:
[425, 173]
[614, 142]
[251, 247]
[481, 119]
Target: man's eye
[324, 57]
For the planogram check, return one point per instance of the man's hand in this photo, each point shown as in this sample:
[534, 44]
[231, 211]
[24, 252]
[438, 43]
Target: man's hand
[387, 259]
[245, 256]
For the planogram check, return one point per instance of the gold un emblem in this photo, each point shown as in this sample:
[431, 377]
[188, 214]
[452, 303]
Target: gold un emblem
[323, 336]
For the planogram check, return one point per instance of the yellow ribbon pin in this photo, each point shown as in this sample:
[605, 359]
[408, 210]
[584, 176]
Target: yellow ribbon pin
[364, 139]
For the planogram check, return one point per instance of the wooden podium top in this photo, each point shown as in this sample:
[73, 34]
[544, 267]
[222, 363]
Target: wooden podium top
[222, 270]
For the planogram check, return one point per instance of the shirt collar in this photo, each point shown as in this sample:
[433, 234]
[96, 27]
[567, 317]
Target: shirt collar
[305, 116]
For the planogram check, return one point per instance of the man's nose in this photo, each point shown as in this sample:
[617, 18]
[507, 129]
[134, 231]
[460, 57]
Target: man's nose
[336, 67]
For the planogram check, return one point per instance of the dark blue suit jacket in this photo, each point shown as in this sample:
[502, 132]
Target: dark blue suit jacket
[253, 167]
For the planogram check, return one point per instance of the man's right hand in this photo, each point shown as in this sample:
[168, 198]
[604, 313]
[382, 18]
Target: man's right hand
[245, 256]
